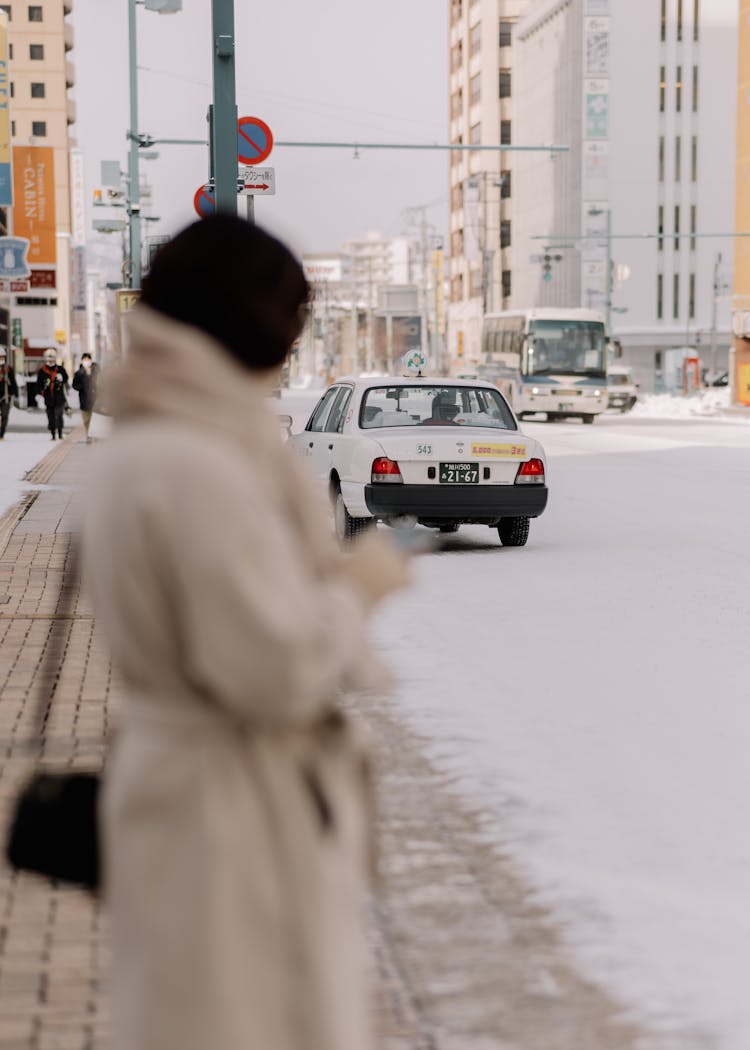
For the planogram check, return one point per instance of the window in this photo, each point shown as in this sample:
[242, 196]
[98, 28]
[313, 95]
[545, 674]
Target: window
[475, 38]
[693, 221]
[456, 153]
[457, 56]
[505, 233]
[35, 13]
[663, 89]
[338, 412]
[10, 51]
[696, 19]
[660, 296]
[475, 88]
[38, 90]
[317, 422]
[12, 127]
[36, 52]
[504, 83]
[678, 90]
[457, 196]
[679, 19]
[39, 128]
[506, 34]
[663, 20]
[676, 227]
[457, 10]
[660, 242]
[661, 158]
[691, 302]
[12, 89]
[677, 158]
[695, 89]
[694, 158]
[457, 242]
[457, 288]
[476, 284]
[505, 139]
[475, 135]
[457, 103]
[8, 10]
[505, 184]
[506, 284]
[676, 296]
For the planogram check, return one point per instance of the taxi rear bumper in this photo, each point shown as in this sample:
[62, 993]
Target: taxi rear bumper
[485, 504]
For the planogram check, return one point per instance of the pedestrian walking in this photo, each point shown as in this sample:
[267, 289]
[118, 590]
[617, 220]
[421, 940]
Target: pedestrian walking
[84, 381]
[52, 384]
[8, 390]
[236, 805]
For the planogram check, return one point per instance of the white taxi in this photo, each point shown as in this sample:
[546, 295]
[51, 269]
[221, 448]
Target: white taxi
[441, 452]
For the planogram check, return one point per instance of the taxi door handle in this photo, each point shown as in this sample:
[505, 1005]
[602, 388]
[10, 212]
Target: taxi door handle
[311, 444]
[330, 448]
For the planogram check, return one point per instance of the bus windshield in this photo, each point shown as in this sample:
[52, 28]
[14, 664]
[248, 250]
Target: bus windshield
[569, 347]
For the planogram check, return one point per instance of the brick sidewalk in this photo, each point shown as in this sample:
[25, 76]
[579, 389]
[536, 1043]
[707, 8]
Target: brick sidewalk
[463, 957]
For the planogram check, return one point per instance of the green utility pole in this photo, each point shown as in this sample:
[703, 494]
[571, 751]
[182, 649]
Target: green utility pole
[224, 111]
[133, 271]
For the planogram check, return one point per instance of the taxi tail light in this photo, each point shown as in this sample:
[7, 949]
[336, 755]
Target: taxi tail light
[384, 469]
[530, 473]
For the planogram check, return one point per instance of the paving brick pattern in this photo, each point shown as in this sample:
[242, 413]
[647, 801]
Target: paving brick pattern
[463, 959]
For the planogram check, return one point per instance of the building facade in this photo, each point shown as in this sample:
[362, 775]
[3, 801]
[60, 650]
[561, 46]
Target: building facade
[42, 73]
[636, 219]
[481, 243]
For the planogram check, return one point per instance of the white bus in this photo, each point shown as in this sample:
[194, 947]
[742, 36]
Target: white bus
[548, 360]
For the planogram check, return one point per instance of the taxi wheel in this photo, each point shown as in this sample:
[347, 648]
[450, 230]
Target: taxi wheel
[587, 419]
[513, 532]
[347, 527]
[450, 527]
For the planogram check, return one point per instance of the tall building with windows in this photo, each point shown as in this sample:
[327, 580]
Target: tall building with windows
[643, 93]
[481, 183]
[42, 73]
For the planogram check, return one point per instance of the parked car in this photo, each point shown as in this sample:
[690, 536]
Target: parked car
[622, 389]
[440, 452]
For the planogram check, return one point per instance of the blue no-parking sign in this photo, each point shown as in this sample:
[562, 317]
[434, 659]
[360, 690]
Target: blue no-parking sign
[254, 140]
[204, 200]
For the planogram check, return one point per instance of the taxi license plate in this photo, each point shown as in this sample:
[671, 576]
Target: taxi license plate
[565, 406]
[459, 474]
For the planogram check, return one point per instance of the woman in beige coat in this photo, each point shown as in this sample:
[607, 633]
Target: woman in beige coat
[235, 817]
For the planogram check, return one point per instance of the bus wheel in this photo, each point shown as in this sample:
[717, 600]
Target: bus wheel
[587, 419]
[552, 417]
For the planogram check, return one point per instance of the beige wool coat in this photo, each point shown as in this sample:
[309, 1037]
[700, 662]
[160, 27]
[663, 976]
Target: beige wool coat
[235, 813]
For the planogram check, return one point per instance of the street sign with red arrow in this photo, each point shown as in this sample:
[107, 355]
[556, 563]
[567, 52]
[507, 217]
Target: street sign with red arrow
[256, 181]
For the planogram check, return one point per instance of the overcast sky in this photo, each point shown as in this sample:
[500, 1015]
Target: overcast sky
[329, 69]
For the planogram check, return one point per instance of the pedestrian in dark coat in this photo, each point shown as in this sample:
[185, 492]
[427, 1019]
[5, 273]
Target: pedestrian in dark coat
[8, 390]
[84, 381]
[52, 384]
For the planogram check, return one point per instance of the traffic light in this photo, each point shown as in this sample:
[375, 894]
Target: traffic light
[460, 344]
[547, 268]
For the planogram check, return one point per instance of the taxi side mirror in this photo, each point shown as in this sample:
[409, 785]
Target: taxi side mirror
[286, 424]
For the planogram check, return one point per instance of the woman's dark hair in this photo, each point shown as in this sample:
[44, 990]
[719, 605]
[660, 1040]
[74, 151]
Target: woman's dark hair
[234, 281]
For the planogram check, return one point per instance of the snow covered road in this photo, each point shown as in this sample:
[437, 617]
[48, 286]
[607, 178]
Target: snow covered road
[590, 693]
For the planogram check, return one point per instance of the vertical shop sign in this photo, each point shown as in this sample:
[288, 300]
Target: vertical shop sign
[6, 169]
[34, 211]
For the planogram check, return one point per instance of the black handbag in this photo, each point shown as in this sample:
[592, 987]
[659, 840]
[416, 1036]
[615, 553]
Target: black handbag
[54, 828]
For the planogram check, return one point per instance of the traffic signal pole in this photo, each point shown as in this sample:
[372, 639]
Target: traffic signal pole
[134, 176]
[224, 111]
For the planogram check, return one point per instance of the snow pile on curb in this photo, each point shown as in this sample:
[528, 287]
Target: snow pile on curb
[711, 402]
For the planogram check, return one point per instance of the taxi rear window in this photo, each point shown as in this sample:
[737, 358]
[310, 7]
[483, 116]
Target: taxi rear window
[415, 406]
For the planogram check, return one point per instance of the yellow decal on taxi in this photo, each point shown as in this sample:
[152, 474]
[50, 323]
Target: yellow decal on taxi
[509, 451]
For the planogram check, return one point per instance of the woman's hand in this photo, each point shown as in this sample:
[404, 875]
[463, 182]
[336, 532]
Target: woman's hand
[376, 568]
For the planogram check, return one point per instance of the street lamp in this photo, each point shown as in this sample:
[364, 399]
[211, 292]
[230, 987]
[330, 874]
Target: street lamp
[163, 7]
